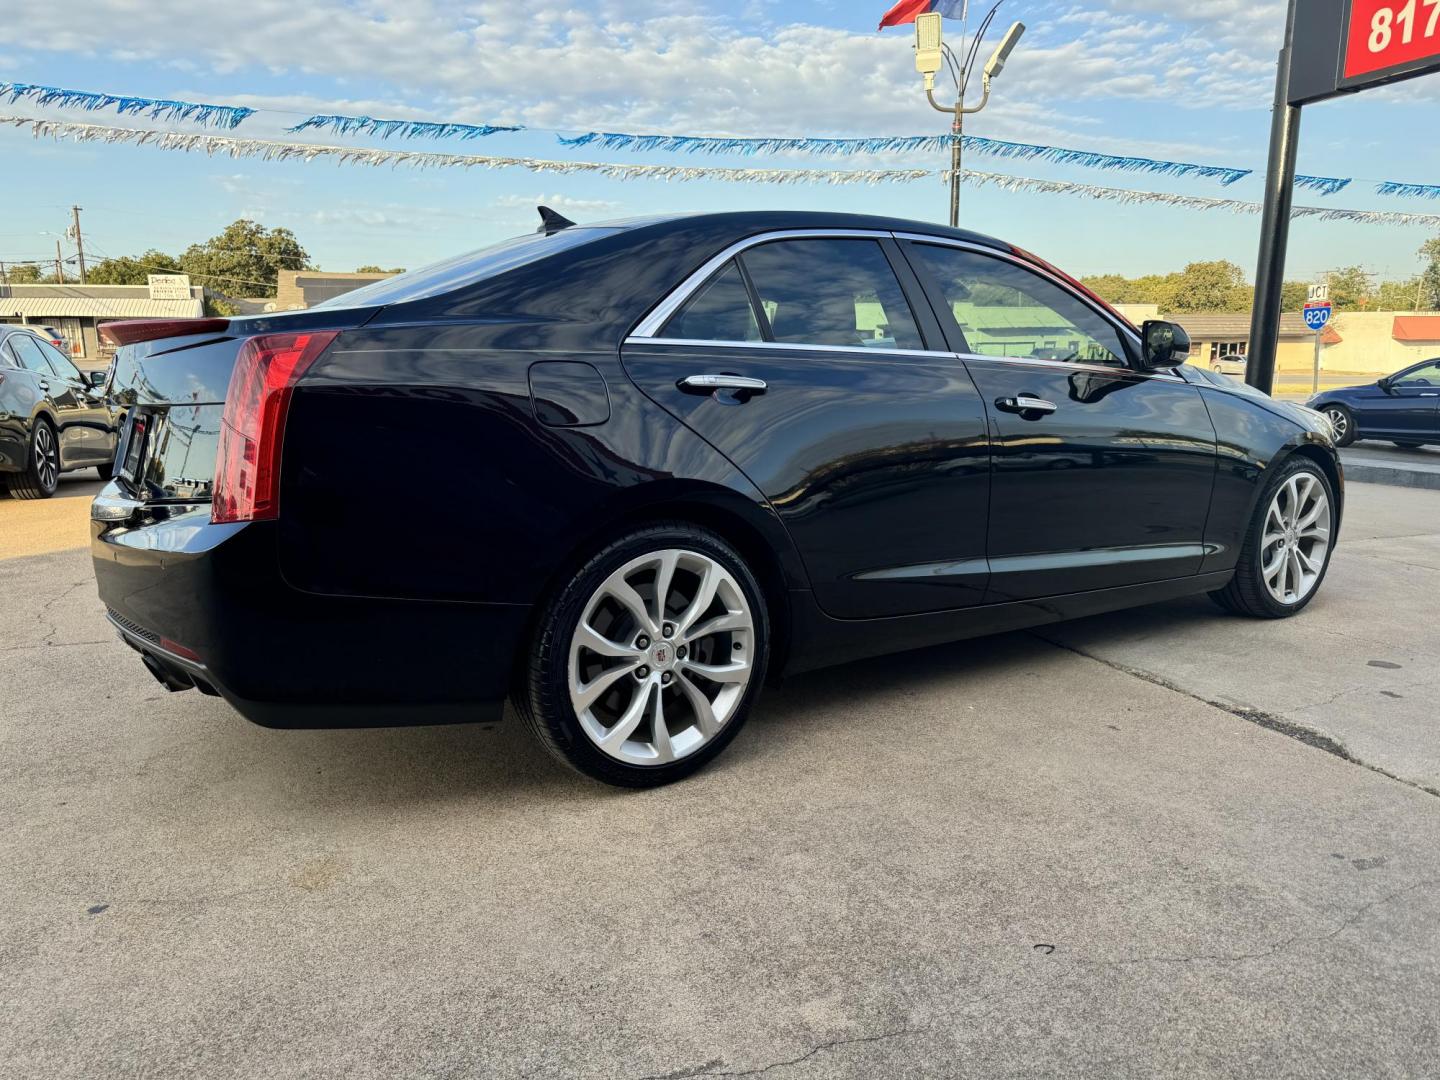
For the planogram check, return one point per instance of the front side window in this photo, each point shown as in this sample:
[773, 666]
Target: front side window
[1424, 375]
[720, 310]
[1006, 310]
[837, 292]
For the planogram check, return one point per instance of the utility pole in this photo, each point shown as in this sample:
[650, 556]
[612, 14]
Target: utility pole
[59, 274]
[929, 57]
[79, 241]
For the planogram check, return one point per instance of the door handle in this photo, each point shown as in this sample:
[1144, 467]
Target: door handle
[1025, 403]
[43, 385]
[708, 384]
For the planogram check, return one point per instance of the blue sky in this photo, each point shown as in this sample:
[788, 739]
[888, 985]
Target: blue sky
[1188, 81]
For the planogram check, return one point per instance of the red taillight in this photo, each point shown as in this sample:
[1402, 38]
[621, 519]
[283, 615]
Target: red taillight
[178, 649]
[247, 465]
[128, 333]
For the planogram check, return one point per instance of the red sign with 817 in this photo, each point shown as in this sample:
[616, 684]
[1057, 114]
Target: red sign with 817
[1387, 33]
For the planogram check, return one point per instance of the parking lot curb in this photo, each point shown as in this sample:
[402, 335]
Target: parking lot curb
[1410, 476]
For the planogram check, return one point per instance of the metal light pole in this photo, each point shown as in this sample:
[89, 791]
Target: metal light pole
[1274, 222]
[929, 55]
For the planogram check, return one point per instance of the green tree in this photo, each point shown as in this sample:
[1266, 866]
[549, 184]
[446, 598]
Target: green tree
[1430, 276]
[1406, 295]
[1211, 286]
[124, 270]
[25, 274]
[370, 269]
[219, 306]
[245, 258]
[1293, 295]
[1350, 288]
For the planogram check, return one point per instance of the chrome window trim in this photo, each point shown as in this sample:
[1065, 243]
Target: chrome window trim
[861, 350]
[648, 330]
[659, 315]
[1074, 365]
[785, 345]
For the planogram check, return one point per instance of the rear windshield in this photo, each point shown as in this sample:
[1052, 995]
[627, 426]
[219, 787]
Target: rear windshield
[460, 270]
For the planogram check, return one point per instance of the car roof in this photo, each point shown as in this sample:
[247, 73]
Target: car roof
[748, 222]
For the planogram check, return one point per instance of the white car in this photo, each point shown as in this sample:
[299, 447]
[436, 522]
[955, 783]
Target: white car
[1234, 364]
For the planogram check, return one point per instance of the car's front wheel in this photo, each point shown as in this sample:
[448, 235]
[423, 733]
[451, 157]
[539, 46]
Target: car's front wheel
[647, 660]
[1287, 548]
[1342, 423]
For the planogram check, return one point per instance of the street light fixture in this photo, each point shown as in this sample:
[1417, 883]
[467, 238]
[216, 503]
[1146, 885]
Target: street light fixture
[929, 52]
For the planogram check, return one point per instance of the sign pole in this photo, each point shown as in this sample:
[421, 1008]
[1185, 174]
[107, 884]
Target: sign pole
[1315, 380]
[1274, 222]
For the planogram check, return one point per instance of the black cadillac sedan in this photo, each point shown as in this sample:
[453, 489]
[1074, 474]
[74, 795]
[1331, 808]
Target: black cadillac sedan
[622, 474]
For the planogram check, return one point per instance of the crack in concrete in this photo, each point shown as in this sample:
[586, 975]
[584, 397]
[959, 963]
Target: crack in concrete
[1068, 967]
[43, 612]
[708, 1068]
[1279, 946]
[53, 645]
[1279, 724]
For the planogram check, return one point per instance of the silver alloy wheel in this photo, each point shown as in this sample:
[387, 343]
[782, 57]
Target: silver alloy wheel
[1295, 539]
[47, 458]
[661, 657]
[1339, 422]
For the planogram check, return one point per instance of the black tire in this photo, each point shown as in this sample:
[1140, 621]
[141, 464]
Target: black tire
[106, 471]
[1246, 593]
[543, 696]
[1343, 421]
[31, 484]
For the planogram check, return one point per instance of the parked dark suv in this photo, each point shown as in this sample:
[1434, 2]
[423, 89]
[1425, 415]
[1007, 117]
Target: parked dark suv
[53, 418]
[622, 473]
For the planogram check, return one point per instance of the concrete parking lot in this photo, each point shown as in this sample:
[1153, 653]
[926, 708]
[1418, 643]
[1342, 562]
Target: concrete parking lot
[1165, 842]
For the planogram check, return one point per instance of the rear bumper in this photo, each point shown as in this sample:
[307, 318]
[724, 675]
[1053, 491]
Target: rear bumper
[285, 658]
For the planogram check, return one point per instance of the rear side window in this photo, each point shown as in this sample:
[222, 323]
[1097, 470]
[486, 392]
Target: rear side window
[462, 270]
[27, 351]
[836, 292]
[720, 310]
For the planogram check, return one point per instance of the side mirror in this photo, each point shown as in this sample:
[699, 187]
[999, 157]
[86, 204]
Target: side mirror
[1383, 383]
[1164, 345]
[97, 379]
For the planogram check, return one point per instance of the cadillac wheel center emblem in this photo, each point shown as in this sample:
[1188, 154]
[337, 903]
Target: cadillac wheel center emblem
[661, 655]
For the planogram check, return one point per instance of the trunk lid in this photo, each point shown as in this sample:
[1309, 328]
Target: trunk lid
[171, 391]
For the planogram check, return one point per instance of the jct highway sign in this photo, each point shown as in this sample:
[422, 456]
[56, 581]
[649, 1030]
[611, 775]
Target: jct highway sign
[1317, 315]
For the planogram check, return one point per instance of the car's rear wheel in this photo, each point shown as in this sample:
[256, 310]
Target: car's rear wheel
[648, 659]
[1342, 422]
[1287, 549]
[42, 470]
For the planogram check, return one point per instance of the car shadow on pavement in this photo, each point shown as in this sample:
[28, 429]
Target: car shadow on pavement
[492, 765]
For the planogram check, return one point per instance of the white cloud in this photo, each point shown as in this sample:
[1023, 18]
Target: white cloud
[665, 67]
[563, 203]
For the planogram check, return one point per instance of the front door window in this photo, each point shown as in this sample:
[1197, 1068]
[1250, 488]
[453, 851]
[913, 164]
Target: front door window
[1005, 310]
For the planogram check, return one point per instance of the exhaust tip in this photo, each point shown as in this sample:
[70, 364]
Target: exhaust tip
[172, 679]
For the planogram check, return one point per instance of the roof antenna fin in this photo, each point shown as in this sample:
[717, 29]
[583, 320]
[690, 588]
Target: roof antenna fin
[551, 222]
